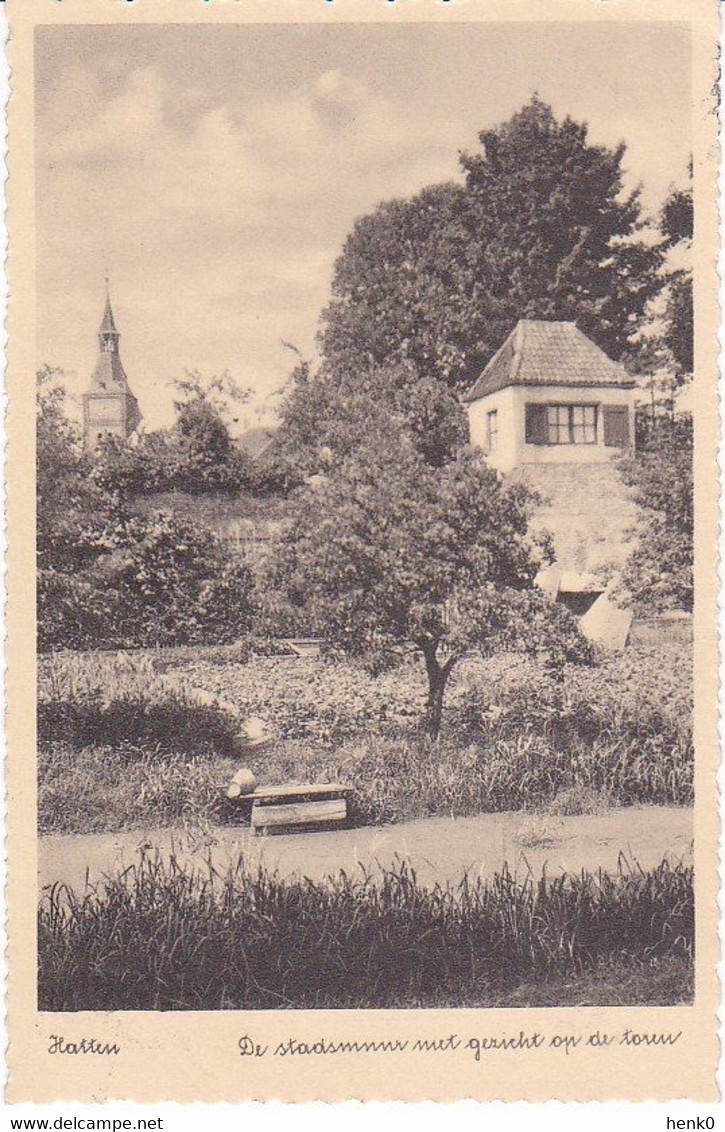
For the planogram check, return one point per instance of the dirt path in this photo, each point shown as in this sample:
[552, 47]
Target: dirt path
[441, 849]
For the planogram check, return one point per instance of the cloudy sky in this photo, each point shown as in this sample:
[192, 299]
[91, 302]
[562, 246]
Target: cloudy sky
[217, 170]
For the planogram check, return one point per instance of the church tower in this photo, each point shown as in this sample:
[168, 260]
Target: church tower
[109, 406]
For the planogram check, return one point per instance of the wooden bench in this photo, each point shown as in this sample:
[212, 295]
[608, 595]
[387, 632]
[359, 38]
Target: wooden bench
[281, 809]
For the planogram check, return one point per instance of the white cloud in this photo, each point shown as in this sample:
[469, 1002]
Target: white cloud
[237, 215]
[221, 201]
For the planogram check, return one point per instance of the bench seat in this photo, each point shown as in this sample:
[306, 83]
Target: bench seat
[298, 807]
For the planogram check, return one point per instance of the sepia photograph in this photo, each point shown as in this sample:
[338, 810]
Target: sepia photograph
[364, 516]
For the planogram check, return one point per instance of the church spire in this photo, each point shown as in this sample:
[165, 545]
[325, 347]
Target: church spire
[108, 335]
[109, 406]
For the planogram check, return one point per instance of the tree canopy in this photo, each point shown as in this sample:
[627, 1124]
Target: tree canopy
[658, 574]
[541, 228]
[678, 221]
[426, 289]
[325, 416]
[394, 554]
[665, 338]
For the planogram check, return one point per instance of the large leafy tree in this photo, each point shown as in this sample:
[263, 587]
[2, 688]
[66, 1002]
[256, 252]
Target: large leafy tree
[326, 415]
[658, 574]
[392, 553]
[678, 221]
[665, 339]
[401, 287]
[542, 227]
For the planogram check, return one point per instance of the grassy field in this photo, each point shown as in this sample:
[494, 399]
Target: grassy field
[159, 937]
[127, 740]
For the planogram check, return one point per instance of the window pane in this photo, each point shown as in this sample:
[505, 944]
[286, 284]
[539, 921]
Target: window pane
[571, 424]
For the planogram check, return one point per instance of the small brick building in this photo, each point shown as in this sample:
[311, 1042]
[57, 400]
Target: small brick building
[551, 396]
[552, 410]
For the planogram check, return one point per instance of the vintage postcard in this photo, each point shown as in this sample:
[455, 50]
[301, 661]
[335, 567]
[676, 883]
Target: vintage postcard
[362, 570]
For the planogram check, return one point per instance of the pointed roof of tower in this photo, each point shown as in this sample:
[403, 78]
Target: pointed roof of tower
[109, 378]
[109, 375]
[108, 326]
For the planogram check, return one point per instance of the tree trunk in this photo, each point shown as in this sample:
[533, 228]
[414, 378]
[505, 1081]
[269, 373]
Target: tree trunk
[437, 679]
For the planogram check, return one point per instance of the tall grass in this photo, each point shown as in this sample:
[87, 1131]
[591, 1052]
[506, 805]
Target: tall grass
[103, 789]
[160, 937]
[402, 778]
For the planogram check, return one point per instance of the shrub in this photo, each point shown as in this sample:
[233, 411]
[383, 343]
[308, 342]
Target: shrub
[73, 611]
[159, 937]
[178, 585]
[118, 702]
[157, 581]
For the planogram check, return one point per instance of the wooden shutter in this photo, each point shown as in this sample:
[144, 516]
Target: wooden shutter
[616, 426]
[536, 424]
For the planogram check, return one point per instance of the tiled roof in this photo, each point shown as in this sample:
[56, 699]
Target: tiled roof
[109, 375]
[255, 441]
[548, 353]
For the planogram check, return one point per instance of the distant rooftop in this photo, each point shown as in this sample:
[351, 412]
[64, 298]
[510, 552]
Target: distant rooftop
[255, 441]
[539, 352]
